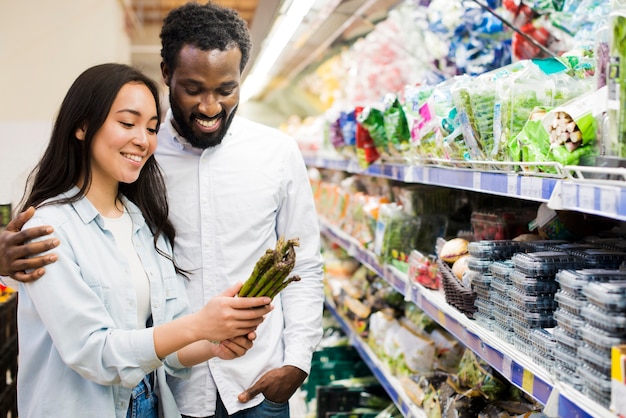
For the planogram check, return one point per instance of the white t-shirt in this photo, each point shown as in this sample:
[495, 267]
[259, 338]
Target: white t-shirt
[122, 230]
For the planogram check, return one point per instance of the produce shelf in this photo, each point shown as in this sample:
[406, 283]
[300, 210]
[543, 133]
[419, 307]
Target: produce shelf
[602, 192]
[558, 398]
[389, 382]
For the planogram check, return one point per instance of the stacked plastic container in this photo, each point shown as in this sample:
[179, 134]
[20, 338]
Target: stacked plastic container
[533, 302]
[585, 330]
[605, 326]
[489, 266]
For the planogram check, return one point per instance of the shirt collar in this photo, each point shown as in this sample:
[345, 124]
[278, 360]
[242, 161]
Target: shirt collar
[87, 211]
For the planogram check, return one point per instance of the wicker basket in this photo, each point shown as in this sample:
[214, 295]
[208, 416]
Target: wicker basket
[457, 295]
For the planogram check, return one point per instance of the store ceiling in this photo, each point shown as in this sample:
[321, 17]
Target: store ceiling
[329, 23]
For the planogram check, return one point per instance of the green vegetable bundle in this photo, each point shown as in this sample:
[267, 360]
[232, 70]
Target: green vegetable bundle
[269, 276]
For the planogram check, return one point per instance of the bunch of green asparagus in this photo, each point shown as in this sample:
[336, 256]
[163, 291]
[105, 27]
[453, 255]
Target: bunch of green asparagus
[269, 276]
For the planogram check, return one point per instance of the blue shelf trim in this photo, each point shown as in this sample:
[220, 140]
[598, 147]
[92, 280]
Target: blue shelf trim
[404, 406]
[597, 198]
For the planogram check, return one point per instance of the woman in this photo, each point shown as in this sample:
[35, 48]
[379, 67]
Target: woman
[98, 333]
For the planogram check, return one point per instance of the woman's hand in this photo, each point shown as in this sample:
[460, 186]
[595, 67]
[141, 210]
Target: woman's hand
[226, 316]
[234, 347]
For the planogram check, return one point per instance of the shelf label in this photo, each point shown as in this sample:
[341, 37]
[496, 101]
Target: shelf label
[507, 364]
[569, 195]
[441, 317]
[587, 197]
[608, 200]
[426, 175]
[511, 184]
[476, 180]
[531, 187]
[528, 381]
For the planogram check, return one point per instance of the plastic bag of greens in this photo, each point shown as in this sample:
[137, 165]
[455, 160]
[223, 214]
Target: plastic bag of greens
[395, 235]
[396, 127]
[449, 135]
[476, 104]
[372, 119]
[422, 120]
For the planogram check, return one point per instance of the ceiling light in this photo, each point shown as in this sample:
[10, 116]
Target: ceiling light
[281, 33]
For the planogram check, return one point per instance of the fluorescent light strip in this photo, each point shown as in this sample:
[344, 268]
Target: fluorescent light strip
[282, 31]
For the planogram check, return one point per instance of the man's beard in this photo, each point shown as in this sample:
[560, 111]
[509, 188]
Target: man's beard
[185, 129]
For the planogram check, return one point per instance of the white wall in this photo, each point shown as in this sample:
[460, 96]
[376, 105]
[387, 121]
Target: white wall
[44, 45]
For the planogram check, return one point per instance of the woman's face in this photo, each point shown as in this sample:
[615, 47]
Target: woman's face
[127, 138]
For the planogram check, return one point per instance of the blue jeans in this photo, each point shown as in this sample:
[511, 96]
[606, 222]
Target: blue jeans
[143, 401]
[266, 409]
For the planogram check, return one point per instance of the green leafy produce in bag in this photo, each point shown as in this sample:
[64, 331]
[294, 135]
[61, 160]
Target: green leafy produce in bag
[373, 120]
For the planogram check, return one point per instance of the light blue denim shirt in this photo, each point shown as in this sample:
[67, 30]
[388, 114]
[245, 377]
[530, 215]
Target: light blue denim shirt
[80, 349]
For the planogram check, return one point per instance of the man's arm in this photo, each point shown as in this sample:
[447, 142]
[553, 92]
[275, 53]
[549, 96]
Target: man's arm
[15, 253]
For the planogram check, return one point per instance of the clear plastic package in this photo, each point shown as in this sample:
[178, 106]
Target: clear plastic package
[503, 318]
[501, 269]
[566, 301]
[570, 341]
[521, 329]
[598, 360]
[533, 285]
[483, 320]
[522, 344]
[541, 245]
[568, 321]
[601, 257]
[545, 263]
[607, 295]
[533, 303]
[547, 362]
[601, 340]
[565, 358]
[481, 279]
[484, 307]
[603, 319]
[533, 319]
[566, 375]
[573, 281]
[595, 381]
[478, 264]
[500, 286]
[494, 249]
[505, 334]
[481, 292]
[543, 341]
[500, 302]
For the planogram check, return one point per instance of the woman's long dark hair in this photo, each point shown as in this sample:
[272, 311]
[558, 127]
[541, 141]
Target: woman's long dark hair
[66, 159]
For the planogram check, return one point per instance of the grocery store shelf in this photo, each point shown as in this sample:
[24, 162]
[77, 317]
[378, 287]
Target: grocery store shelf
[590, 195]
[514, 365]
[388, 381]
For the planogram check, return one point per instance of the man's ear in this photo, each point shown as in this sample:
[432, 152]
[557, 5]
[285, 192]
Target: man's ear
[80, 133]
[165, 73]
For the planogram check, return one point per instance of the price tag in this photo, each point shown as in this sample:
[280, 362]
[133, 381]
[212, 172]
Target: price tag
[441, 317]
[476, 180]
[511, 184]
[426, 176]
[525, 186]
[528, 381]
[409, 177]
[507, 363]
[569, 195]
[536, 188]
[608, 201]
[587, 197]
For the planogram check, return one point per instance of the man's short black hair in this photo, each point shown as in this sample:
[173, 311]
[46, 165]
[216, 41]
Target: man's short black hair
[208, 27]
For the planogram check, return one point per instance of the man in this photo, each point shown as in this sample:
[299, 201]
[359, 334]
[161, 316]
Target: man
[234, 186]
